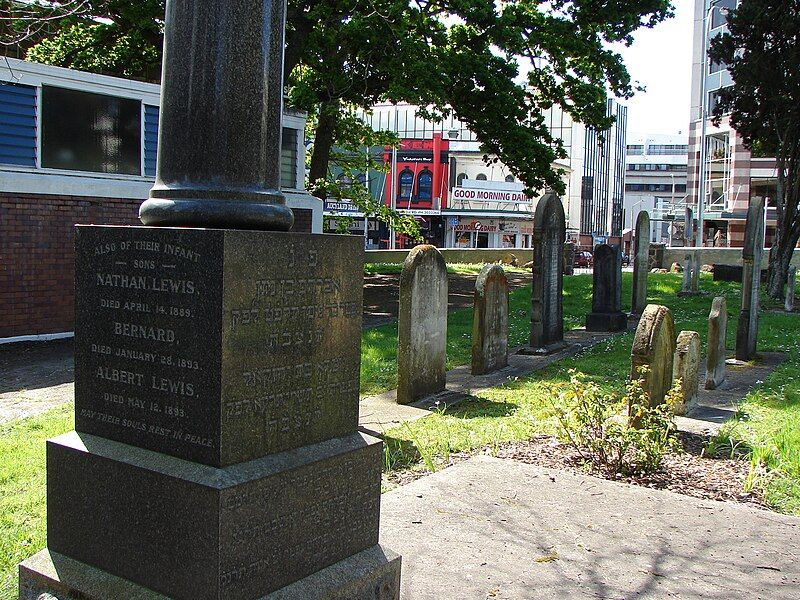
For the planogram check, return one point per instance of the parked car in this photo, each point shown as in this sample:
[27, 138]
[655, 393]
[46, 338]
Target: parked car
[583, 259]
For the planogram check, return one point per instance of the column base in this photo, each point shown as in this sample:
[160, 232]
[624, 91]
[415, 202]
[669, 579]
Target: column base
[617, 321]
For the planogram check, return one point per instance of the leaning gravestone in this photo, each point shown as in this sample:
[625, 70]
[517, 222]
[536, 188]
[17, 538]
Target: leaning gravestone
[422, 325]
[641, 259]
[490, 321]
[747, 331]
[717, 332]
[654, 348]
[791, 282]
[686, 367]
[606, 312]
[547, 312]
[216, 451]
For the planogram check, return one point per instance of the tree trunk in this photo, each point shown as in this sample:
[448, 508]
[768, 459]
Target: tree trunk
[323, 142]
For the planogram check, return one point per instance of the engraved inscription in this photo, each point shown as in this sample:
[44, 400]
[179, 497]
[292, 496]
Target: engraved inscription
[141, 304]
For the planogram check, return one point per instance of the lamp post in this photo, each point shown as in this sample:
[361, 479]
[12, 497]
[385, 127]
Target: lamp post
[701, 188]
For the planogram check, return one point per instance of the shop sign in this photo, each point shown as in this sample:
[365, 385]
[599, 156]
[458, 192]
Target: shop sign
[423, 212]
[476, 225]
[460, 193]
[337, 206]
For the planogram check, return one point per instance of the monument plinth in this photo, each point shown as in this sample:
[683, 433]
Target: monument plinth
[216, 453]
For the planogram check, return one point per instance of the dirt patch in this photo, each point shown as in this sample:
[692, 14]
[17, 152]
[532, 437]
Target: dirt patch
[689, 472]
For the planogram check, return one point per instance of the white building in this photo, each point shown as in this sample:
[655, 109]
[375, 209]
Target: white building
[656, 181]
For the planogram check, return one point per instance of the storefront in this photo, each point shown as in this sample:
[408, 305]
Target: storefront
[476, 232]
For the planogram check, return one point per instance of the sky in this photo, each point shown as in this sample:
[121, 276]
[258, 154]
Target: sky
[660, 59]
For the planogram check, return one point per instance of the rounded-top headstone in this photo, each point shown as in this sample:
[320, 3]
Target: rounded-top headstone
[547, 314]
[654, 348]
[422, 325]
[490, 321]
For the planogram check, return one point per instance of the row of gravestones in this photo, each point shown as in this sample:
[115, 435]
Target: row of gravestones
[667, 359]
[422, 322]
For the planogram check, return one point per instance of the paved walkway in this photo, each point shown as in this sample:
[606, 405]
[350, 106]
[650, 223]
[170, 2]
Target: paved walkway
[500, 529]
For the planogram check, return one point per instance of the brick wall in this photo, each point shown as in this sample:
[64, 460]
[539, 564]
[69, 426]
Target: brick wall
[37, 256]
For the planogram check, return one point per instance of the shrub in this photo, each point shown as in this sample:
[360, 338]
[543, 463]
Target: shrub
[595, 425]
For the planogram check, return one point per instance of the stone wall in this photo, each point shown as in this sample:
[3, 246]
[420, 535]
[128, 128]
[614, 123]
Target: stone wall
[37, 256]
[720, 256]
[454, 255]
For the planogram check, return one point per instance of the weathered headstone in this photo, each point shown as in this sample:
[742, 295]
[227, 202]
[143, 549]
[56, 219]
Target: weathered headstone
[691, 274]
[747, 330]
[547, 312]
[641, 259]
[569, 258]
[717, 333]
[606, 312]
[695, 281]
[422, 325]
[790, 287]
[688, 228]
[490, 321]
[216, 452]
[654, 348]
[686, 367]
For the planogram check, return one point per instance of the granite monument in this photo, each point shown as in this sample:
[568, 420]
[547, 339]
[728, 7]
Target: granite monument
[216, 453]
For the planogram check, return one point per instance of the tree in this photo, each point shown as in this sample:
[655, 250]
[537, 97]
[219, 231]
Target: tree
[497, 65]
[762, 55]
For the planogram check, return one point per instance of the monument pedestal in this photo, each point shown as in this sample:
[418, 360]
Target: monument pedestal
[216, 452]
[616, 321]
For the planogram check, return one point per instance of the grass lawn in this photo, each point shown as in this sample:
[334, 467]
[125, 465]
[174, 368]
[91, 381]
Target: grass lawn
[452, 268]
[768, 432]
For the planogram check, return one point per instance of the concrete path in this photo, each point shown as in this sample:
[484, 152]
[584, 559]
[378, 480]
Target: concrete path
[491, 528]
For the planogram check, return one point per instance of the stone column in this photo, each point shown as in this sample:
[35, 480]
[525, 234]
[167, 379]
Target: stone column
[219, 137]
[747, 331]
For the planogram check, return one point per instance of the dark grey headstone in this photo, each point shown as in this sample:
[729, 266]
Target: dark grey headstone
[606, 312]
[422, 325]
[216, 346]
[747, 331]
[547, 312]
[688, 227]
[641, 259]
[192, 531]
[490, 321]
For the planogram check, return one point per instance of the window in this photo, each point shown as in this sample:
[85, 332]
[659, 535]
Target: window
[82, 131]
[635, 149]
[480, 177]
[719, 15]
[460, 179]
[289, 158]
[509, 179]
[405, 185]
[425, 186]
[661, 149]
